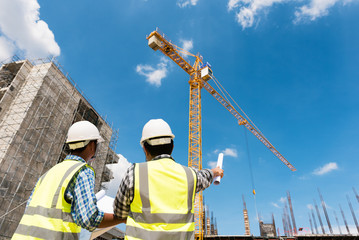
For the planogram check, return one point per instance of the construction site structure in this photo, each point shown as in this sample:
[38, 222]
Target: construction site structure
[320, 219]
[204, 219]
[325, 212]
[246, 218]
[315, 222]
[356, 195]
[209, 224]
[200, 73]
[284, 225]
[300, 237]
[212, 224]
[38, 104]
[208, 228]
[274, 226]
[336, 218]
[267, 229]
[353, 214]
[344, 219]
[215, 227]
[311, 224]
[292, 214]
[288, 221]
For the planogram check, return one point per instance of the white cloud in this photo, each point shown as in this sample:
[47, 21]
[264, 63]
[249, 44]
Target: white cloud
[248, 12]
[328, 206]
[154, 75]
[315, 9]
[230, 152]
[232, 4]
[326, 168]
[187, 45]
[185, 3]
[283, 199]
[310, 206]
[24, 31]
[250, 9]
[275, 205]
[7, 48]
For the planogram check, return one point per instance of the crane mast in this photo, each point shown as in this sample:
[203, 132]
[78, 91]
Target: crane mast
[158, 41]
[195, 144]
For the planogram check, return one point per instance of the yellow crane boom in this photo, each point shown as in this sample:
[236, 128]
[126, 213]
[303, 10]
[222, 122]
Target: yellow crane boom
[243, 121]
[200, 74]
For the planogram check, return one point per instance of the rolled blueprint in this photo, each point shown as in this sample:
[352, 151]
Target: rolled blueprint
[217, 179]
[104, 202]
[100, 195]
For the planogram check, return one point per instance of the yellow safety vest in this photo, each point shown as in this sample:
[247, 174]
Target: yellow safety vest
[48, 215]
[162, 207]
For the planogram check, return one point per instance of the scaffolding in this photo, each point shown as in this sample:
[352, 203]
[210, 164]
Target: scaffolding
[37, 106]
[246, 218]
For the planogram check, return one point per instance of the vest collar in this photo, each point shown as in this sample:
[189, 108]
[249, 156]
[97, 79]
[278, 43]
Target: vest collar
[161, 157]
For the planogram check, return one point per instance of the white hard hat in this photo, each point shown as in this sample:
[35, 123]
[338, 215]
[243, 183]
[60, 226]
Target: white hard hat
[83, 131]
[156, 128]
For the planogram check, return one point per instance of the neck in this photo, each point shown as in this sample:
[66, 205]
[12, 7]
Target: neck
[82, 155]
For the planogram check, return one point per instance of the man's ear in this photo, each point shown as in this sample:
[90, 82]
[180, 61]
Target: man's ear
[173, 146]
[148, 156]
[91, 147]
[94, 145]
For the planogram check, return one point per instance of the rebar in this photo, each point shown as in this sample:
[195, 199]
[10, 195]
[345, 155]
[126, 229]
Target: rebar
[325, 212]
[320, 219]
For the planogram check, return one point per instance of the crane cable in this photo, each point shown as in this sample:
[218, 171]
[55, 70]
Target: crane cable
[251, 172]
[225, 94]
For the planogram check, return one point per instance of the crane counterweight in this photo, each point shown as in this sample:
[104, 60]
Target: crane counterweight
[206, 73]
[154, 43]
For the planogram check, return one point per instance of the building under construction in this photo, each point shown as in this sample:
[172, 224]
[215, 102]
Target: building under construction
[38, 104]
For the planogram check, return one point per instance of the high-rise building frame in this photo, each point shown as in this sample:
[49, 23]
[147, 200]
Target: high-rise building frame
[38, 103]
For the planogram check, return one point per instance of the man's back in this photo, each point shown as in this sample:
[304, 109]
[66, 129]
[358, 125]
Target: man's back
[157, 197]
[163, 201]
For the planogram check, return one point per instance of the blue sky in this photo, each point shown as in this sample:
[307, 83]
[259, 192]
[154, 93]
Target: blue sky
[292, 66]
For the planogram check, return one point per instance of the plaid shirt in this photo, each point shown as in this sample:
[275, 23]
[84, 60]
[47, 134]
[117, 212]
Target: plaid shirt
[125, 192]
[80, 192]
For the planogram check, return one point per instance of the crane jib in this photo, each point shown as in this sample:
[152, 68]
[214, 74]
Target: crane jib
[240, 118]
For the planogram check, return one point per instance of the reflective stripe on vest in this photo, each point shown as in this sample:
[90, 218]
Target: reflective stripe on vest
[162, 207]
[48, 215]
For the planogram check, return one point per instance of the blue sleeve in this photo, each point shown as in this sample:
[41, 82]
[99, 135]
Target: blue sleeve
[84, 208]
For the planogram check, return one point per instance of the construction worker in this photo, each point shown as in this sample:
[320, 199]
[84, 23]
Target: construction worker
[63, 200]
[157, 196]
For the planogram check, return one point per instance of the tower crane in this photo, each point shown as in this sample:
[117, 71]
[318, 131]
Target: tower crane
[200, 73]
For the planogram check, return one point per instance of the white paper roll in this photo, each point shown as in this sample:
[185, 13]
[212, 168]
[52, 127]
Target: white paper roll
[217, 179]
[104, 202]
[100, 195]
